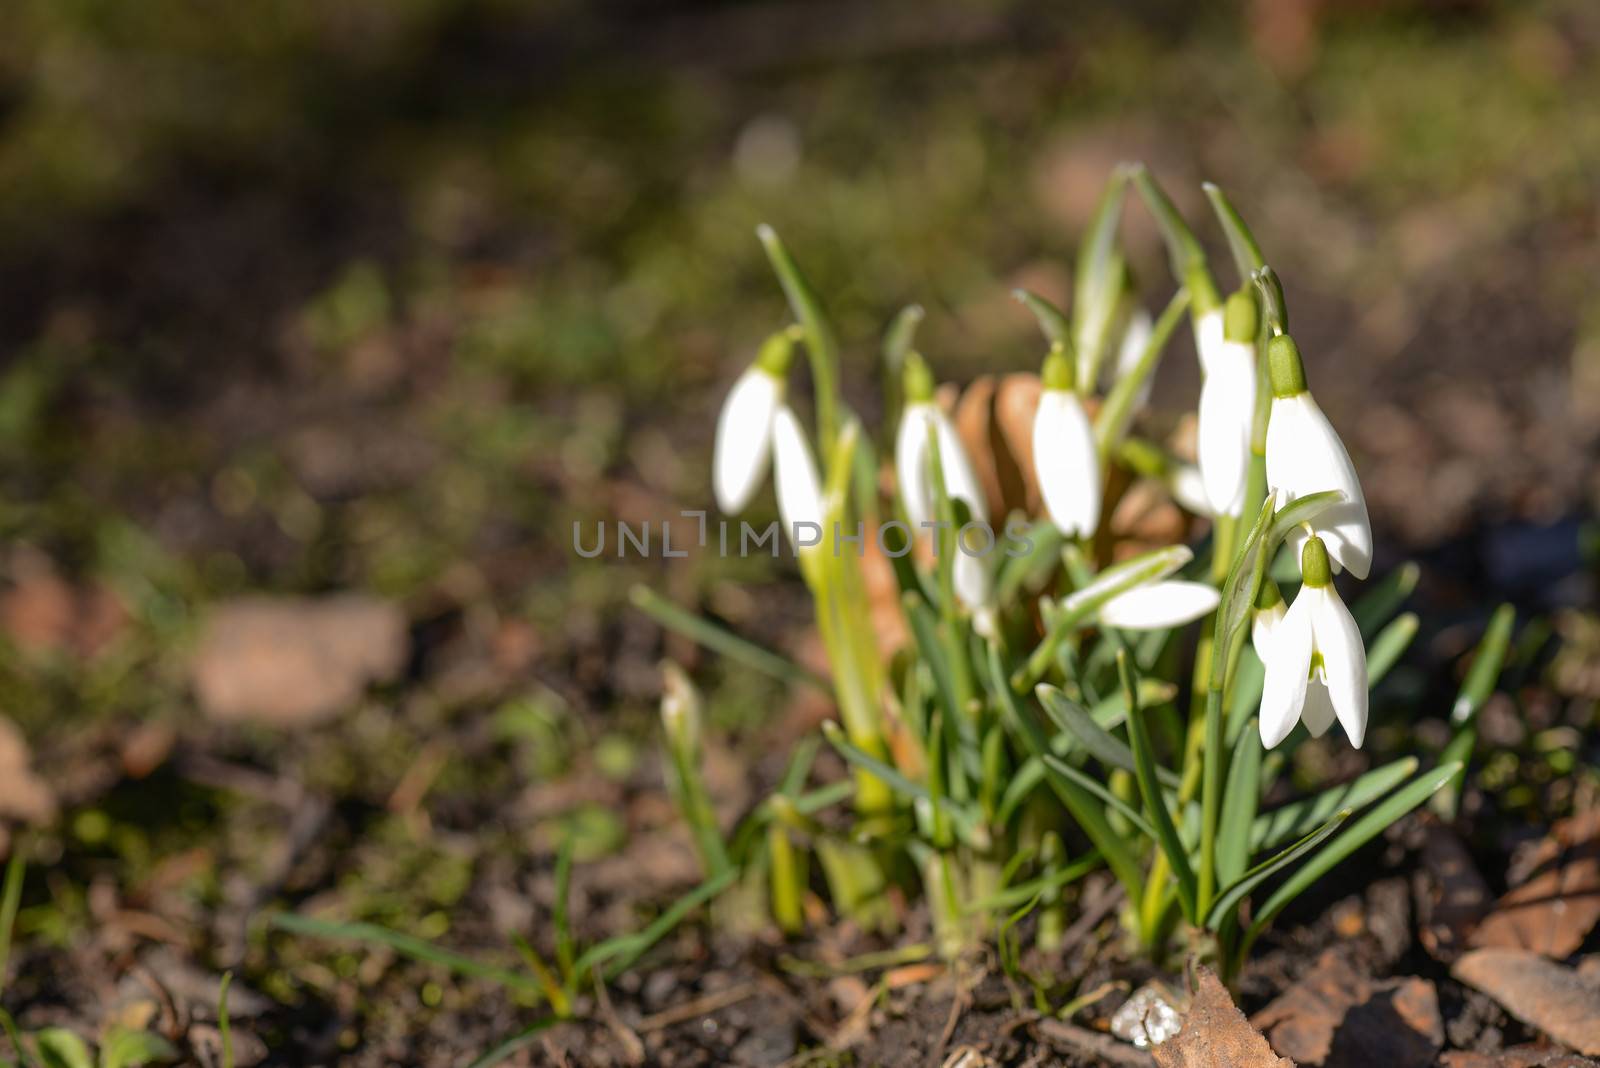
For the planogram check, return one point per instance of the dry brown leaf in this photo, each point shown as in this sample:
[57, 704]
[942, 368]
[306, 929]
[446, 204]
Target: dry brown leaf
[291, 662]
[1337, 1017]
[1541, 993]
[1557, 902]
[1451, 895]
[1215, 1033]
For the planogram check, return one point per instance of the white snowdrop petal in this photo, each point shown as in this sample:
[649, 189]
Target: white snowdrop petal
[1227, 406]
[1066, 463]
[1189, 489]
[960, 478]
[1344, 660]
[1135, 336]
[1318, 713]
[1283, 691]
[744, 439]
[799, 487]
[1159, 605]
[1262, 627]
[911, 465]
[972, 579]
[1210, 335]
[1305, 455]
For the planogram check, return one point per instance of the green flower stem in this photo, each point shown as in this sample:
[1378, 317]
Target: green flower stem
[1112, 421]
[821, 347]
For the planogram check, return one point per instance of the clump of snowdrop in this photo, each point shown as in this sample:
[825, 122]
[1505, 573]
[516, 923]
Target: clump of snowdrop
[1036, 707]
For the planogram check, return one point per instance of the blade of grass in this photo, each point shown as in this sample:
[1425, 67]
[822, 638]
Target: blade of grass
[1079, 802]
[1378, 605]
[24, 1058]
[1098, 789]
[519, 1041]
[623, 950]
[1241, 242]
[1014, 895]
[1239, 807]
[1150, 787]
[10, 899]
[821, 346]
[224, 1026]
[1272, 829]
[1230, 897]
[1071, 717]
[1389, 646]
[1369, 826]
[404, 944]
[719, 640]
[1053, 321]
[965, 818]
[1487, 661]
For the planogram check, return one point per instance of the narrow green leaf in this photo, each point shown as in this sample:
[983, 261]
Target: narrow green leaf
[1099, 280]
[1085, 810]
[1389, 646]
[723, 641]
[1183, 249]
[1053, 321]
[1155, 803]
[1301, 510]
[821, 346]
[1070, 716]
[1383, 599]
[1274, 308]
[1234, 894]
[965, 819]
[1015, 895]
[619, 953]
[1487, 661]
[566, 944]
[1111, 422]
[24, 1058]
[1030, 569]
[1378, 819]
[1272, 829]
[1239, 803]
[10, 899]
[404, 944]
[898, 341]
[1060, 767]
[224, 1024]
[1241, 242]
[520, 1041]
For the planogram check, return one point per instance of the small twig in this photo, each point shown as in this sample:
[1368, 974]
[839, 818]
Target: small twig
[701, 1006]
[1093, 1043]
[632, 1045]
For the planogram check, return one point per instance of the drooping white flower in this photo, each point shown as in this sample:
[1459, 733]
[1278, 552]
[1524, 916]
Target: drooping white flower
[800, 503]
[1316, 665]
[1189, 489]
[1137, 595]
[973, 578]
[1159, 605]
[1226, 344]
[1135, 338]
[744, 426]
[1268, 618]
[1305, 455]
[921, 422]
[1064, 457]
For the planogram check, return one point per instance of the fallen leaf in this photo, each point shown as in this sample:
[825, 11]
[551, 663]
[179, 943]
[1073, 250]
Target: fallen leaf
[1337, 1017]
[23, 794]
[1556, 899]
[293, 662]
[1451, 896]
[1541, 993]
[1216, 1033]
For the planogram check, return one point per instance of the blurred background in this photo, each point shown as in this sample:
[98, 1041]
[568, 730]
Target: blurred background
[362, 305]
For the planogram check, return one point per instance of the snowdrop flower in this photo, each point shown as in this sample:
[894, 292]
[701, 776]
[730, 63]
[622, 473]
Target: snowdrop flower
[1189, 489]
[1225, 339]
[973, 578]
[1159, 605]
[1269, 614]
[744, 426]
[1141, 596]
[922, 420]
[1316, 664]
[799, 487]
[1135, 337]
[1305, 456]
[1064, 456]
